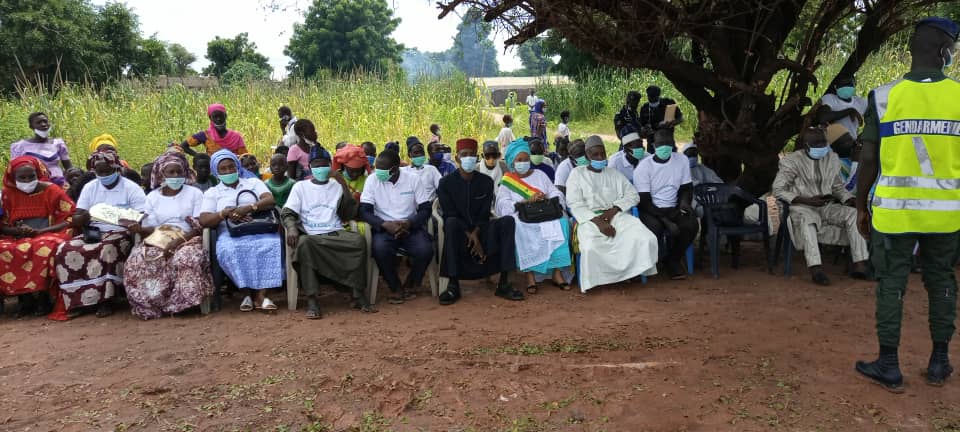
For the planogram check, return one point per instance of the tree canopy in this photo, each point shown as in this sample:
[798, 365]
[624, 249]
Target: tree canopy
[473, 51]
[224, 52]
[344, 35]
[534, 57]
[722, 55]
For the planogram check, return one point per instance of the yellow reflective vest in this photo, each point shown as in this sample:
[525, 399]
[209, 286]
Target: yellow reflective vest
[918, 190]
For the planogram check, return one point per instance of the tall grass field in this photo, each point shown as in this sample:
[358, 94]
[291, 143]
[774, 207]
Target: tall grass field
[353, 109]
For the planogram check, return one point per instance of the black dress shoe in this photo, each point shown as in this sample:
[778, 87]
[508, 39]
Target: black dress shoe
[508, 293]
[885, 371]
[450, 296]
[820, 278]
[939, 368]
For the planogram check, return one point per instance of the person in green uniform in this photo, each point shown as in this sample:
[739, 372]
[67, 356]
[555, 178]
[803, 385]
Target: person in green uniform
[279, 185]
[910, 143]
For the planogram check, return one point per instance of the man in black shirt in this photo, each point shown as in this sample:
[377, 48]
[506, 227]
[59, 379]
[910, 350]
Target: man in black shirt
[474, 246]
[652, 116]
[628, 114]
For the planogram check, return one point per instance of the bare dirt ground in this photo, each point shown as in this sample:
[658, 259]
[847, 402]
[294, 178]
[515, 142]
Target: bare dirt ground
[747, 352]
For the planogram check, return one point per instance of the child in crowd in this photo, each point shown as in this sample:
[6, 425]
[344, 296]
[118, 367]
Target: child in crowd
[201, 164]
[146, 171]
[279, 184]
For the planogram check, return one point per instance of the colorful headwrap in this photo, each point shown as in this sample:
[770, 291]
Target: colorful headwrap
[107, 155]
[514, 149]
[350, 156]
[467, 144]
[103, 139]
[220, 155]
[170, 157]
[232, 140]
[9, 180]
[538, 107]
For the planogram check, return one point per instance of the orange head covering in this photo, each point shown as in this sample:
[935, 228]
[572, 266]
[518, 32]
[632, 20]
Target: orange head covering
[350, 156]
[8, 177]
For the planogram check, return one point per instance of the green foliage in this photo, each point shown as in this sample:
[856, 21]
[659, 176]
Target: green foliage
[223, 53]
[354, 108]
[343, 36]
[573, 62]
[534, 58]
[473, 51]
[151, 58]
[119, 28]
[242, 72]
[182, 59]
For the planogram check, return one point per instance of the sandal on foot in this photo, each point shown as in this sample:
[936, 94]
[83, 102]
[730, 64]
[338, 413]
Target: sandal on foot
[268, 305]
[313, 309]
[562, 285]
[246, 305]
[396, 299]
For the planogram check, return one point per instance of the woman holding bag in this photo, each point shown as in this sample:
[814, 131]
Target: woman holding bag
[252, 261]
[168, 272]
[542, 247]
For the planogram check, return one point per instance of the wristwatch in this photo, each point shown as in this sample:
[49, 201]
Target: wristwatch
[254, 206]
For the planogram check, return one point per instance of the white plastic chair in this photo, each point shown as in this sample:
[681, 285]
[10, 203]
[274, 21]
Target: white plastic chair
[373, 272]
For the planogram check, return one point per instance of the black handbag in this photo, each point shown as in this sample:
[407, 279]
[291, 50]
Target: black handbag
[540, 211]
[261, 222]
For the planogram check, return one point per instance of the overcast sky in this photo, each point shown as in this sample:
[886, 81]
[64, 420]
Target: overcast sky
[192, 23]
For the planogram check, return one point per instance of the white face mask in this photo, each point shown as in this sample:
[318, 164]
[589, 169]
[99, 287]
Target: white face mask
[28, 187]
[43, 133]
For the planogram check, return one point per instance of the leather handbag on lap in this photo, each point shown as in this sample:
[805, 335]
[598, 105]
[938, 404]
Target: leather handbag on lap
[260, 222]
[540, 211]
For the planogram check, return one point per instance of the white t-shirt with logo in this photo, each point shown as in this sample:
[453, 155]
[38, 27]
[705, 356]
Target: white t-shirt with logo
[317, 205]
[126, 194]
[662, 180]
[173, 210]
[394, 201]
[836, 104]
[429, 178]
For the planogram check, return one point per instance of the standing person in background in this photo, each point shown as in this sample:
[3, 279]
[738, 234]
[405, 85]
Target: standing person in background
[436, 154]
[217, 136]
[531, 100]
[434, 134]
[628, 114]
[492, 165]
[563, 131]
[287, 122]
[279, 184]
[652, 116]
[429, 176]
[51, 151]
[914, 202]
[841, 105]
[298, 157]
[201, 165]
[506, 134]
[370, 149]
[538, 120]
[352, 163]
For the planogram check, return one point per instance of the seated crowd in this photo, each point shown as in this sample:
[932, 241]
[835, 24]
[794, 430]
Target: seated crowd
[74, 240]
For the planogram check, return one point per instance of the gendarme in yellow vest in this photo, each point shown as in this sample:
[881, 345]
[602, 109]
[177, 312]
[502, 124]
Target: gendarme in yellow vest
[918, 190]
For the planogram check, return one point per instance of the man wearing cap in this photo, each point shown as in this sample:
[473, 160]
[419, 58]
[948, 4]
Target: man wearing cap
[625, 161]
[652, 115]
[475, 246]
[614, 245]
[910, 138]
[429, 176]
[666, 200]
[492, 165]
[396, 207]
[809, 179]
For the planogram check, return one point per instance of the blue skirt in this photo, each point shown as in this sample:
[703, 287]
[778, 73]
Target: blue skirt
[253, 261]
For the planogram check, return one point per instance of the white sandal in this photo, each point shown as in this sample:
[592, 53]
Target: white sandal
[268, 305]
[246, 305]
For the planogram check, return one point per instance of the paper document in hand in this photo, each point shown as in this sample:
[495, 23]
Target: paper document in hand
[671, 113]
[113, 215]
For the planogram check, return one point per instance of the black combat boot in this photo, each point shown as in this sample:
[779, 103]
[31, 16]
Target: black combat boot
[939, 368]
[885, 371]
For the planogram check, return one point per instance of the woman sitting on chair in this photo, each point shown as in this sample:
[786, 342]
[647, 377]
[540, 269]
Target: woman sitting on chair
[36, 220]
[543, 247]
[168, 272]
[252, 262]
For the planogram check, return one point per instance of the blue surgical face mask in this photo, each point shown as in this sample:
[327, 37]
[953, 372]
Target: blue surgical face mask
[418, 161]
[382, 174]
[372, 160]
[846, 92]
[229, 179]
[446, 157]
[468, 163]
[582, 161]
[346, 175]
[437, 157]
[818, 152]
[109, 180]
[639, 153]
[693, 161]
[521, 167]
[174, 183]
[320, 174]
[598, 164]
[948, 60]
[664, 152]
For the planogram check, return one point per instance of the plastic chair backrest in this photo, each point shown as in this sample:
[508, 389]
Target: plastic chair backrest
[723, 203]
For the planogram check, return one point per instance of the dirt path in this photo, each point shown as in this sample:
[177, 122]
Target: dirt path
[747, 352]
